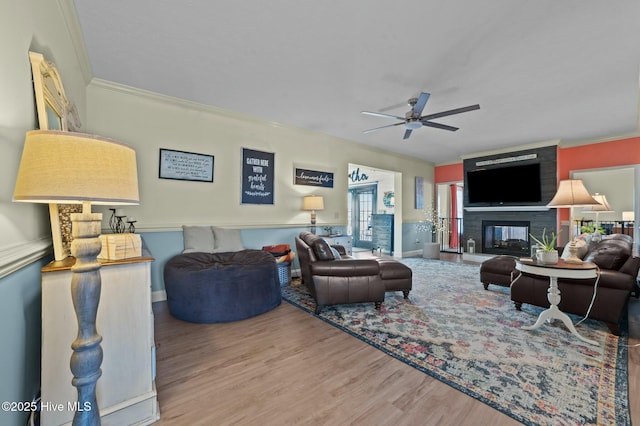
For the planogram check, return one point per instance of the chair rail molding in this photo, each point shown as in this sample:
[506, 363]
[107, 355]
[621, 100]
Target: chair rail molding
[17, 256]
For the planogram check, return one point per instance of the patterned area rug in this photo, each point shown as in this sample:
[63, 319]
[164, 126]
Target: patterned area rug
[470, 338]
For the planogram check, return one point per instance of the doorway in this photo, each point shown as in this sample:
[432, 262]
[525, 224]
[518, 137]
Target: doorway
[361, 206]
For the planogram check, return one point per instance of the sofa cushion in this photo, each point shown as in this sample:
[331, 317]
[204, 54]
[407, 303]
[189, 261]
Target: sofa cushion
[198, 239]
[609, 254]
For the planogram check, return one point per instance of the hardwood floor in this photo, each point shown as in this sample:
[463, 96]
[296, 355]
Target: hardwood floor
[287, 367]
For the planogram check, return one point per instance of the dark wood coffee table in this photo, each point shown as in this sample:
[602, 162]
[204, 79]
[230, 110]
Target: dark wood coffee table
[561, 269]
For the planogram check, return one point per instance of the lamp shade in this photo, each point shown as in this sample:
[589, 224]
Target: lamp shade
[313, 202]
[68, 167]
[571, 193]
[602, 206]
[628, 216]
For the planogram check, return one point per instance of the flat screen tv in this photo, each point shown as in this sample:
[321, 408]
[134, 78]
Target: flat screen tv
[505, 185]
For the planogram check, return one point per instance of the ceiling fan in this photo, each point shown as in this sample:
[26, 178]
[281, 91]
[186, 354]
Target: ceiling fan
[412, 119]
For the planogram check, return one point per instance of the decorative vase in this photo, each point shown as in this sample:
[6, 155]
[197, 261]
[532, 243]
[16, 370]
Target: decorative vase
[547, 257]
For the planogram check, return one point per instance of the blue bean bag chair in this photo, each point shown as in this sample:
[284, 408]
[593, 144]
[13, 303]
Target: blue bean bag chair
[221, 287]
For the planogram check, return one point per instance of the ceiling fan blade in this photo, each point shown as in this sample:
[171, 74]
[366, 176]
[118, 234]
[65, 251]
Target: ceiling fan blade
[382, 127]
[419, 106]
[379, 114]
[438, 125]
[407, 133]
[450, 112]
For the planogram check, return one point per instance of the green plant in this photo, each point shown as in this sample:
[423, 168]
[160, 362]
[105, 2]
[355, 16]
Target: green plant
[590, 229]
[546, 242]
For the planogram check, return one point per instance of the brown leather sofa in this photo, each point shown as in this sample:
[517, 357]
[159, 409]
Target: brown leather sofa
[333, 277]
[618, 270]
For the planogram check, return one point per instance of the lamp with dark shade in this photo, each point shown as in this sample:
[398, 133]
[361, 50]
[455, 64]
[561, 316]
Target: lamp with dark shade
[572, 193]
[67, 167]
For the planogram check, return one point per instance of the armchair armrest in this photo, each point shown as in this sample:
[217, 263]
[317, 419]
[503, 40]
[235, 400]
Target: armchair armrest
[346, 268]
[631, 266]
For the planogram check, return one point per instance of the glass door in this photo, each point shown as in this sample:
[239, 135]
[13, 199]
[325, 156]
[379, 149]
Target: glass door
[362, 204]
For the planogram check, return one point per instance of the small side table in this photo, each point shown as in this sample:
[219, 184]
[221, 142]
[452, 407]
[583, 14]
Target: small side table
[554, 271]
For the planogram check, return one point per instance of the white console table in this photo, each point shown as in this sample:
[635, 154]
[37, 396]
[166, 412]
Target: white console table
[126, 391]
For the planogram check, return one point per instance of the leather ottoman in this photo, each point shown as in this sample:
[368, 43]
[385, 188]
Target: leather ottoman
[396, 276]
[499, 270]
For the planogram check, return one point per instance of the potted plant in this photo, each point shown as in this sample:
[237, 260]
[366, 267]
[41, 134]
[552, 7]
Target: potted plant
[547, 252]
[433, 224]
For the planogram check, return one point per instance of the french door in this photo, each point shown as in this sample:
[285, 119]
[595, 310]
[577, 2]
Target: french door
[362, 204]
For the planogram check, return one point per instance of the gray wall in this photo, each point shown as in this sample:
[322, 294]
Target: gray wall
[547, 157]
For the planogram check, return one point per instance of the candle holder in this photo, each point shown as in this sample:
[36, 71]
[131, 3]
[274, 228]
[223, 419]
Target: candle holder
[120, 226]
[113, 221]
[132, 228]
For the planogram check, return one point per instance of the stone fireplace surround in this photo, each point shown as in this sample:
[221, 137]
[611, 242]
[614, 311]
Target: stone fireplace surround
[537, 214]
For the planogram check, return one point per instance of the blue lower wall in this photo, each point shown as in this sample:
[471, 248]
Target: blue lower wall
[20, 334]
[164, 245]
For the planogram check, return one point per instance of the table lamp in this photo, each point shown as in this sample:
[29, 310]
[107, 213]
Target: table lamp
[67, 167]
[572, 193]
[313, 203]
[602, 207]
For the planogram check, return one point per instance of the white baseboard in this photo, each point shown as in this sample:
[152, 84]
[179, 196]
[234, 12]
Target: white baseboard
[158, 296]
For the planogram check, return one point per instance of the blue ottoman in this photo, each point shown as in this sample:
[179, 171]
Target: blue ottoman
[221, 287]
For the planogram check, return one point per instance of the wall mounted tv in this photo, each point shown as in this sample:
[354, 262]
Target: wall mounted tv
[504, 185]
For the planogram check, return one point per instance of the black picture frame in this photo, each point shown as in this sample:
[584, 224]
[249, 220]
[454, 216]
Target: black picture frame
[313, 178]
[258, 169]
[183, 165]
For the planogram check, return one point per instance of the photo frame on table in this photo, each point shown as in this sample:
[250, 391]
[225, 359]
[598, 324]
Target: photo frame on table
[182, 165]
[55, 112]
[257, 177]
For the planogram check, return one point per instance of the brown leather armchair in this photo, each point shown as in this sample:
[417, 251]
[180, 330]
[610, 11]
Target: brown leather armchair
[338, 279]
[618, 270]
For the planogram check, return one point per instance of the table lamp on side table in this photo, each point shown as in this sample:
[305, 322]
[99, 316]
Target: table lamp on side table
[313, 203]
[572, 193]
[68, 167]
[602, 207]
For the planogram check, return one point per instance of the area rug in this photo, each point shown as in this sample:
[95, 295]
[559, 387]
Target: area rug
[470, 338]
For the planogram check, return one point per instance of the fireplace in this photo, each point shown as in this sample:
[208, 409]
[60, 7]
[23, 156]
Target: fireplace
[506, 237]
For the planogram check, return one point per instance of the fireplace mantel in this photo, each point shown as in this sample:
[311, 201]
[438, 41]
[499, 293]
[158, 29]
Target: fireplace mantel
[508, 209]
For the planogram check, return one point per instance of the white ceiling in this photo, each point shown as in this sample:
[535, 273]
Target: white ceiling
[540, 69]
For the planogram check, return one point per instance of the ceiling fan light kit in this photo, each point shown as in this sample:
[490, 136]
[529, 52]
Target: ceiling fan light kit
[413, 120]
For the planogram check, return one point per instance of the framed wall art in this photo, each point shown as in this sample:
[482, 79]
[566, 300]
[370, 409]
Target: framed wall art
[313, 178]
[55, 112]
[181, 165]
[257, 177]
[419, 192]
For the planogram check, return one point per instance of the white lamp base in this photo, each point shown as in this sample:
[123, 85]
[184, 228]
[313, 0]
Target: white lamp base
[573, 254]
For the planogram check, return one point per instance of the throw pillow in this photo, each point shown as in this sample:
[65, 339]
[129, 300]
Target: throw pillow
[322, 249]
[336, 253]
[581, 249]
[198, 239]
[227, 240]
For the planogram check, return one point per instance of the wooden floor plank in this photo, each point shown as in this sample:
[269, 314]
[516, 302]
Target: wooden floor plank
[287, 367]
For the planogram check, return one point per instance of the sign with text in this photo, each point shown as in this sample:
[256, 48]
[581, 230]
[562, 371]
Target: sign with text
[257, 176]
[185, 166]
[313, 178]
